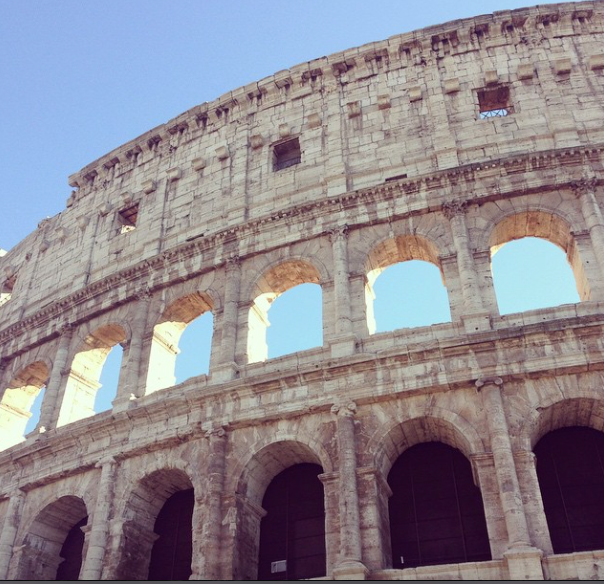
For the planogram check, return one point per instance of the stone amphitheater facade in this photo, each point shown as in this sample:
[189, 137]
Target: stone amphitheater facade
[439, 145]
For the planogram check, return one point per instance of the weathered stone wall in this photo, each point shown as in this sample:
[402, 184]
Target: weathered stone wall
[395, 164]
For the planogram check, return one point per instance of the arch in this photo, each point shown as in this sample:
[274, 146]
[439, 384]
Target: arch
[436, 513]
[570, 470]
[260, 469]
[141, 510]
[44, 554]
[544, 225]
[269, 459]
[391, 251]
[85, 372]
[166, 336]
[276, 280]
[17, 400]
[440, 425]
[562, 413]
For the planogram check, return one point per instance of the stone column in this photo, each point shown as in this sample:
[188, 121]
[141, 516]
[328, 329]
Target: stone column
[9, 530]
[343, 342]
[524, 561]
[207, 566]
[350, 565]
[99, 533]
[533, 504]
[49, 412]
[585, 191]
[227, 367]
[133, 385]
[455, 211]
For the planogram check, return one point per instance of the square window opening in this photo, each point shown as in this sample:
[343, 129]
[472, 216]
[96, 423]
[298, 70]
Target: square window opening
[286, 154]
[494, 102]
[127, 218]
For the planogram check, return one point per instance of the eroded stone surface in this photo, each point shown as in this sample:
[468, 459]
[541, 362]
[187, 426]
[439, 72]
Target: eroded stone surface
[395, 164]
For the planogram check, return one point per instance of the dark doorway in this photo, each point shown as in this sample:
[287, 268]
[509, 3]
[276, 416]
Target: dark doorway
[173, 550]
[292, 534]
[571, 477]
[71, 552]
[436, 510]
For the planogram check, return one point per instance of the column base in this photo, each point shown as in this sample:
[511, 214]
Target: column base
[350, 570]
[121, 404]
[524, 563]
[476, 322]
[343, 345]
[224, 372]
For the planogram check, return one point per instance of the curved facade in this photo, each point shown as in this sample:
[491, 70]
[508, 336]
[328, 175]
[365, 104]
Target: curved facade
[439, 145]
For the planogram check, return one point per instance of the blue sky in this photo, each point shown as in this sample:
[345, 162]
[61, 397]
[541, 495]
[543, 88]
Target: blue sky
[80, 78]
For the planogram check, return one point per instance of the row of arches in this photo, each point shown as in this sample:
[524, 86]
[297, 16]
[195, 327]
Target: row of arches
[436, 515]
[190, 319]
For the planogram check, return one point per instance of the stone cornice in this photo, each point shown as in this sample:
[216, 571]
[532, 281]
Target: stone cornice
[429, 186]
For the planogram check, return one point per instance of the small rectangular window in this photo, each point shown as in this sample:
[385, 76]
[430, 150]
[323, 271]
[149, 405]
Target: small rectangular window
[494, 102]
[286, 154]
[127, 218]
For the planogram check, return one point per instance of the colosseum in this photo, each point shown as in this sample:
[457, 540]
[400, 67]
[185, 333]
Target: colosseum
[469, 449]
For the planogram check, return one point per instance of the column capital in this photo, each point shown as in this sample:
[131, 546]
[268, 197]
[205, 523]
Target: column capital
[338, 232]
[143, 293]
[107, 461]
[482, 381]
[216, 432]
[454, 208]
[233, 262]
[66, 329]
[586, 184]
[345, 410]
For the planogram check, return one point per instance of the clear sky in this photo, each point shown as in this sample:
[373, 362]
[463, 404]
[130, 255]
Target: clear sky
[81, 77]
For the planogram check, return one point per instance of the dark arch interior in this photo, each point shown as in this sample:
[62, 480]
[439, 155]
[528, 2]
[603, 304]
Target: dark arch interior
[173, 550]
[71, 552]
[292, 533]
[570, 470]
[436, 511]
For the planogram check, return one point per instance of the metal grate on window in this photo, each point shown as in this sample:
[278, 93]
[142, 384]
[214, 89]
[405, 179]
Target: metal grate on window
[496, 113]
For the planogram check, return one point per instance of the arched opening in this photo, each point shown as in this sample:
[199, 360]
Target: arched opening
[53, 546]
[182, 342]
[405, 285]
[535, 263]
[270, 286]
[251, 486]
[84, 378]
[570, 469]
[71, 552]
[436, 511]
[157, 529]
[17, 402]
[410, 294]
[296, 321]
[109, 379]
[532, 273]
[173, 550]
[292, 533]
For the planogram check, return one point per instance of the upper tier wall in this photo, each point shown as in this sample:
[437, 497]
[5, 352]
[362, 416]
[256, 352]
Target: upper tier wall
[404, 107]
